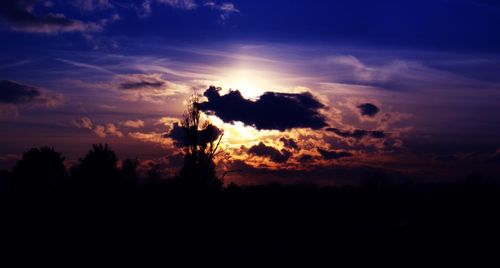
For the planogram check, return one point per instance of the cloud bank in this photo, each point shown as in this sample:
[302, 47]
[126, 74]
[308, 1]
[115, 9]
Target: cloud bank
[278, 111]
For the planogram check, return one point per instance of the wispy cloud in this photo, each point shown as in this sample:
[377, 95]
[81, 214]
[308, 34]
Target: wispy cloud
[86, 65]
[225, 9]
[183, 4]
[134, 123]
[92, 5]
[83, 122]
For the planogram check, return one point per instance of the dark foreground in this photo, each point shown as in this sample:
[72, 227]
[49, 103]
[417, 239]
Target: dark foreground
[161, 225]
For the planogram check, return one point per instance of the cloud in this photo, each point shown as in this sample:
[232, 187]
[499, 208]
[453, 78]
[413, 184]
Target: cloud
[133, 123]
[289, 143]
[368, 109]
[166, 121]
[328, 155]
[350, 70]
[21, 16]
[182, 4]
[272, 153]
[357, 133]
[145, 9]
[100, 131]
[83, 122]
[144, 136]
[142, 82]
[272, 110]
[147, 87]
[178, 135]
[151, 137]
[111, 129]
[86, 66]
[91, 5]
[226, 9]
[305, 158]
[14, 95]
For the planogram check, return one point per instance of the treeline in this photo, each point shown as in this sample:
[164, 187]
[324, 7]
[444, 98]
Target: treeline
[98, 214]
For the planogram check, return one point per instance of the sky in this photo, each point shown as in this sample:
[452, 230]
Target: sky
[306, 91]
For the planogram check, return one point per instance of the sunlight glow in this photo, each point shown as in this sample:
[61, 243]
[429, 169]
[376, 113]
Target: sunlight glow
[253, 79]
[250, 83]
[237, 134]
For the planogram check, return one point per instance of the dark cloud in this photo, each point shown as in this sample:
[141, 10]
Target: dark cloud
[306, 158]
[368, 109]
[13, 93]
[272, 110]
[183, 136]
[20, 16]
[326, 154]
[210, 134]
[141, 85]
[147, 87]
[178, 135]
[268, 151]
[289, 143]
[358, 133]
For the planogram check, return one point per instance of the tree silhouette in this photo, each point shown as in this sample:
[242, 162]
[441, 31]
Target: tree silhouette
[97, 167]
[129, 169]
[39, 171]
[202, 140]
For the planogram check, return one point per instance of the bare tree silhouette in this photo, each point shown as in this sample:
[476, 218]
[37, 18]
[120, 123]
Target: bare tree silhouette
[202, 140]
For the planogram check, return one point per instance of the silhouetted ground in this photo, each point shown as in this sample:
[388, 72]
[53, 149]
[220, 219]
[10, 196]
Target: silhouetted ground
[97, 214]
[165, 225]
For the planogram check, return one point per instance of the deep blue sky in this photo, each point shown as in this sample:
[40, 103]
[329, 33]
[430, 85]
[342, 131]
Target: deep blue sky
[459, 25]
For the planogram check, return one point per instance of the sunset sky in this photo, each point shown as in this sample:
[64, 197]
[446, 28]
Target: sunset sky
[328, 90]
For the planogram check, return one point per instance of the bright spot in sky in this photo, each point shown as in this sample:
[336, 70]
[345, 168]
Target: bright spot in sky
[237, 134]
[250, 83]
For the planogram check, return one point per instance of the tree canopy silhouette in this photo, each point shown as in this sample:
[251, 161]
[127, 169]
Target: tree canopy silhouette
[40, 170]
[99, 165]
